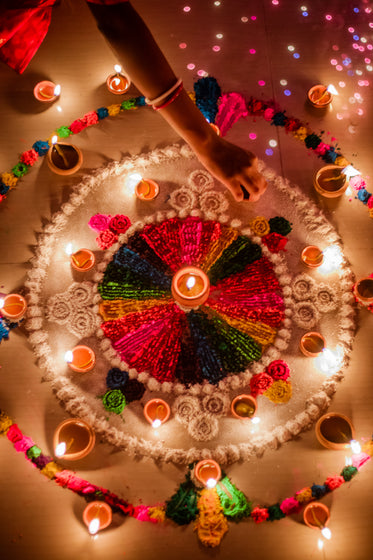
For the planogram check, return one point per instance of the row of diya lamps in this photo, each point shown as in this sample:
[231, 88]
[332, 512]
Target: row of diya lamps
[74, 439]
[66, 159]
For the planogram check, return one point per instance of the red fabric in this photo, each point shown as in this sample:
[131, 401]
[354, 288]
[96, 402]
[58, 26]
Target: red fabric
[23, 28]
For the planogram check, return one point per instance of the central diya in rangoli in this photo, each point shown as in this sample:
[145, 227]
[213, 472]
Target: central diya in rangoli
[190, 300]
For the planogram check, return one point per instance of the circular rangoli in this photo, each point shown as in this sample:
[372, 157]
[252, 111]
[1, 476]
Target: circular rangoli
[261, 302]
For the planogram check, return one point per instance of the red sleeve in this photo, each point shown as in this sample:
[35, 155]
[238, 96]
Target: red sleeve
[106, 2]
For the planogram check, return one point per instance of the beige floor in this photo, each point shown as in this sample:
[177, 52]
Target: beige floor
[40, 520]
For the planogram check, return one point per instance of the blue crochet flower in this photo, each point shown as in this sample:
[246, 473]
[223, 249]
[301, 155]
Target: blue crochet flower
[330, 155]
[319, 490]
[140, 101]
[41, 147]
[102, 113]
[279, 119]
[116, 378]
[363, 195]
[3, 188]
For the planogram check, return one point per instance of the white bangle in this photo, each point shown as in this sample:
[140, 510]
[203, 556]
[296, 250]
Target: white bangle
[164, 95]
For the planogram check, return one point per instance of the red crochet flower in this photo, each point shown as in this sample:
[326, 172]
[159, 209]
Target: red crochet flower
[119, 224]
[278, 370]
[290, 505]
[268, 114]
[260, 383]
[275, 242]
[77, 126]
[30, 157]
[292, 124]
[14, 434]
[2, 197]
[23, 444]
[333, 482]
[89, 118]
[259, 514]
[256, 107]
[106, 238]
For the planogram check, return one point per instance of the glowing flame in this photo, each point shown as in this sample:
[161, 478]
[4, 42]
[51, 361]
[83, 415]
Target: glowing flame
[94, 526]
[320, 544]
[331, 89]
[326, 533]
[255, 420]
[333, 258]
[69, 249]
[355, 447]
[60, 449]
[211, 483]
[348, 461]
[54, 139]
[117, 68]
[2, 301]
[329, 361]
[131, 181]
[57, 90]
[190, 282]
[68, 356]
[156, 423]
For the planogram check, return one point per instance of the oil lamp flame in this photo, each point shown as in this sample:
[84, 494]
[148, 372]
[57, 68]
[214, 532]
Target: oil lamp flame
[94, 526]
[117, 68]
[60, 449]
[57, 90]
[329, 361]
[326, 533]
[191, 282]
[68, 356]
[211, 483]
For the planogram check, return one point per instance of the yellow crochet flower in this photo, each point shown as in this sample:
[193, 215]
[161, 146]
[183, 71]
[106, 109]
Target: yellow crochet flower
[342, 161]
[211, 525]
[51, 469]
[368, 448]
[9, 180]
[5, 422]
[114, 109]
[279, 392]
[192, 96]
[301, 133]
[304, 495]
[260, 226]
[371, 212]
[158, 513]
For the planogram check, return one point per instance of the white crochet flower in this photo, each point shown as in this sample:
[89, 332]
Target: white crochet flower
[305, 315]
[325, 298]
[185, 407]
[183, 199]
[200, 180]
[303, 287]
[203, 427]
[216, 403]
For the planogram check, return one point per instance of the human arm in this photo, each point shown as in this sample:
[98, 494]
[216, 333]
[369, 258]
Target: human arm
[149, 70]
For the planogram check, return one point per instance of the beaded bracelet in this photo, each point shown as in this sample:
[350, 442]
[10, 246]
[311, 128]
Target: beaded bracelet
[164, 95]
[171, 99]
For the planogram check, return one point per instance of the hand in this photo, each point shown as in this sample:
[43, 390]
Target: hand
[233, 166]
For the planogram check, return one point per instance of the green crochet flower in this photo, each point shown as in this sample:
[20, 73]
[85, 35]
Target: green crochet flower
[114, 401]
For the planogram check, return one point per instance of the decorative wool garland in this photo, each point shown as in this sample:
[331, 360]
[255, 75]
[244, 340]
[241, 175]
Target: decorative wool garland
[227, 109]
[213, 507]
[10, 179]
[66, 392]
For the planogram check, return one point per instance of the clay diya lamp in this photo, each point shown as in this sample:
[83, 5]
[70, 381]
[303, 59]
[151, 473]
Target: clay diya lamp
[363, 291]
[82, 260]
[334, 431]
[81, 359]
[46, 91]
[207, 472]
[312, 256]
[119, 82]
[190, 287]
[311, 344]
[73, 439]
[146, 189]
[13, 307]
[157, 412]
[243, 407]
[316, 515]
[97, 515]
[319, 96]
[64, 159]
[330, 182]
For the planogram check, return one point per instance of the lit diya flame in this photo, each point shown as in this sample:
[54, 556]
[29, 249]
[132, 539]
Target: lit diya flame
[329, 361]
[330, 89]
[333, 259]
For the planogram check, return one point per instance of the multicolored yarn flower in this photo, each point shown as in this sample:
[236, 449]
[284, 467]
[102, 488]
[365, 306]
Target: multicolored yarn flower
[151, 332]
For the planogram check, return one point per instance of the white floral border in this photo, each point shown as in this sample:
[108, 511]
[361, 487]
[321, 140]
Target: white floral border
[67, 393]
